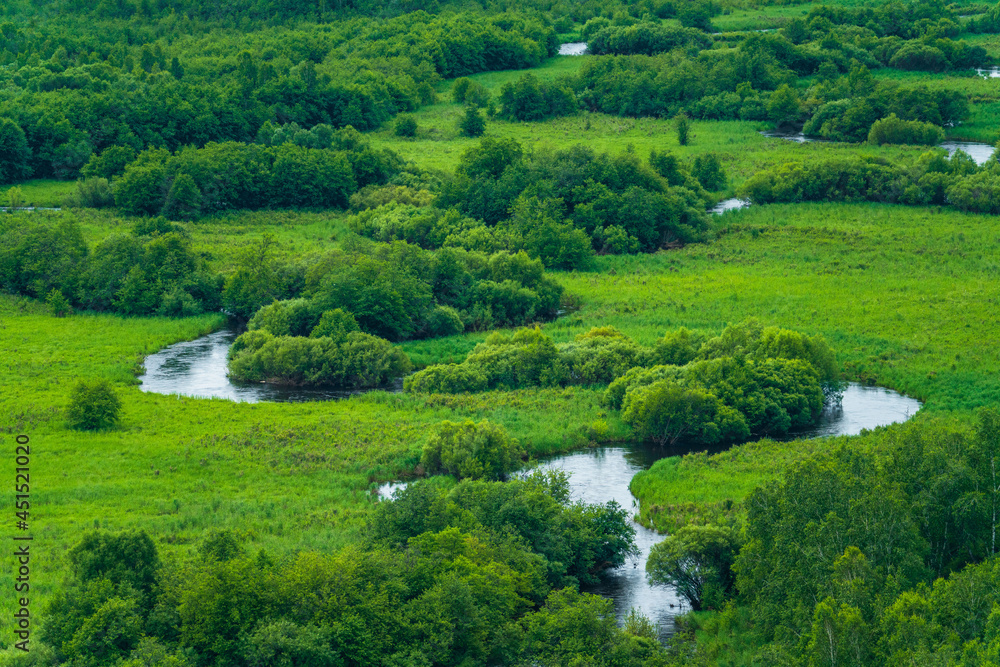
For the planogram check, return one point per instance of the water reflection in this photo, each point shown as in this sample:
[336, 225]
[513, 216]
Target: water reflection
[981, 153]
[198, 368]
[730, 205]
[573, 49]
[601, 475]
[604, 474]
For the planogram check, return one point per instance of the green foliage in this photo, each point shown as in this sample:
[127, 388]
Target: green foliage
[665, 413]
[529, 99]
[406, 126]
[93, 406]
[58, 303]
[683, 129]
[472, 123]
[644, 38]
[335, 324]
[892, 130]
[358, 361]
[93, 192]
[697, 561]
[471, 451]
[15, 155]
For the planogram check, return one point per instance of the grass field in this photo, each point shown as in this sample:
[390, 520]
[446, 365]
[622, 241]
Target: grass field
[908, 298]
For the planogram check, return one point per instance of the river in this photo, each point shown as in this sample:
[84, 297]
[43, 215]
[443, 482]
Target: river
[198, 368]
[979, 152]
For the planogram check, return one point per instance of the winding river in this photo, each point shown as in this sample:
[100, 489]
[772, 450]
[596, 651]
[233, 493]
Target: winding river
[198, 368]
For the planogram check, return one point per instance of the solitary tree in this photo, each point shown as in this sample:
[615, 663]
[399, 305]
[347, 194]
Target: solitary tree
[683, 129]
[472, 124]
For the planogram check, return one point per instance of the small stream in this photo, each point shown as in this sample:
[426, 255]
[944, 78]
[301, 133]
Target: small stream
[979, 152]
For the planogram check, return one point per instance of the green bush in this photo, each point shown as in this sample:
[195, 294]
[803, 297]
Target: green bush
[93, 406]
[472, 123]
[447, 379]
[93, 192]
[358, 361]
[667, 413]
[335, 324]
[471, 451]
[406, 126]
[893, 130]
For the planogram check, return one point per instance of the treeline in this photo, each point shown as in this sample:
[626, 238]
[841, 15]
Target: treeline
[883, 554]
[561, 207]
[74, 91]
[320, 168]
[750, 381]
[933, 179]
[481, 573]
[150, 270]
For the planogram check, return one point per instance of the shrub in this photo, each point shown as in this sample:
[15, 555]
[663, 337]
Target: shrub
[683, 129]
[471, 451]
[472, 123]
[679, 347]
[358, 361]
[58, 303]
[93, 406]
[614, 396]
[893, 130]
[667, 413]
[406, 126]
[335, 324]
[443, 321]
[601, 355]
[447, 379]
[294, 317]
[94, 192]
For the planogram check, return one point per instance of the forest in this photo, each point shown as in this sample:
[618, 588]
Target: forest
[401, 266]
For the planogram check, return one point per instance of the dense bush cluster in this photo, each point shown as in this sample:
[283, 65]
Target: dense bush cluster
[294, 168]
[331, 359]
[750, 381]
[563, 206]
[395, 291]
[933, 179]
[484, 573]
[151, 270]
[528, 358]
[645, 39]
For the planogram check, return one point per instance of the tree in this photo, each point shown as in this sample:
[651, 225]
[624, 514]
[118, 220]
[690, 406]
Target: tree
[58, 303]
[683, 129]
[254, 283]
[668, 413]
[698, 562]
[472, 123]
[183, 200]
[94, 405]
[15, 155]
[783, 106]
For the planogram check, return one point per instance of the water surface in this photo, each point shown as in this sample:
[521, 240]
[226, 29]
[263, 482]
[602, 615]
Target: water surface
[977, 151]
[573, 49]
[198, 368]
